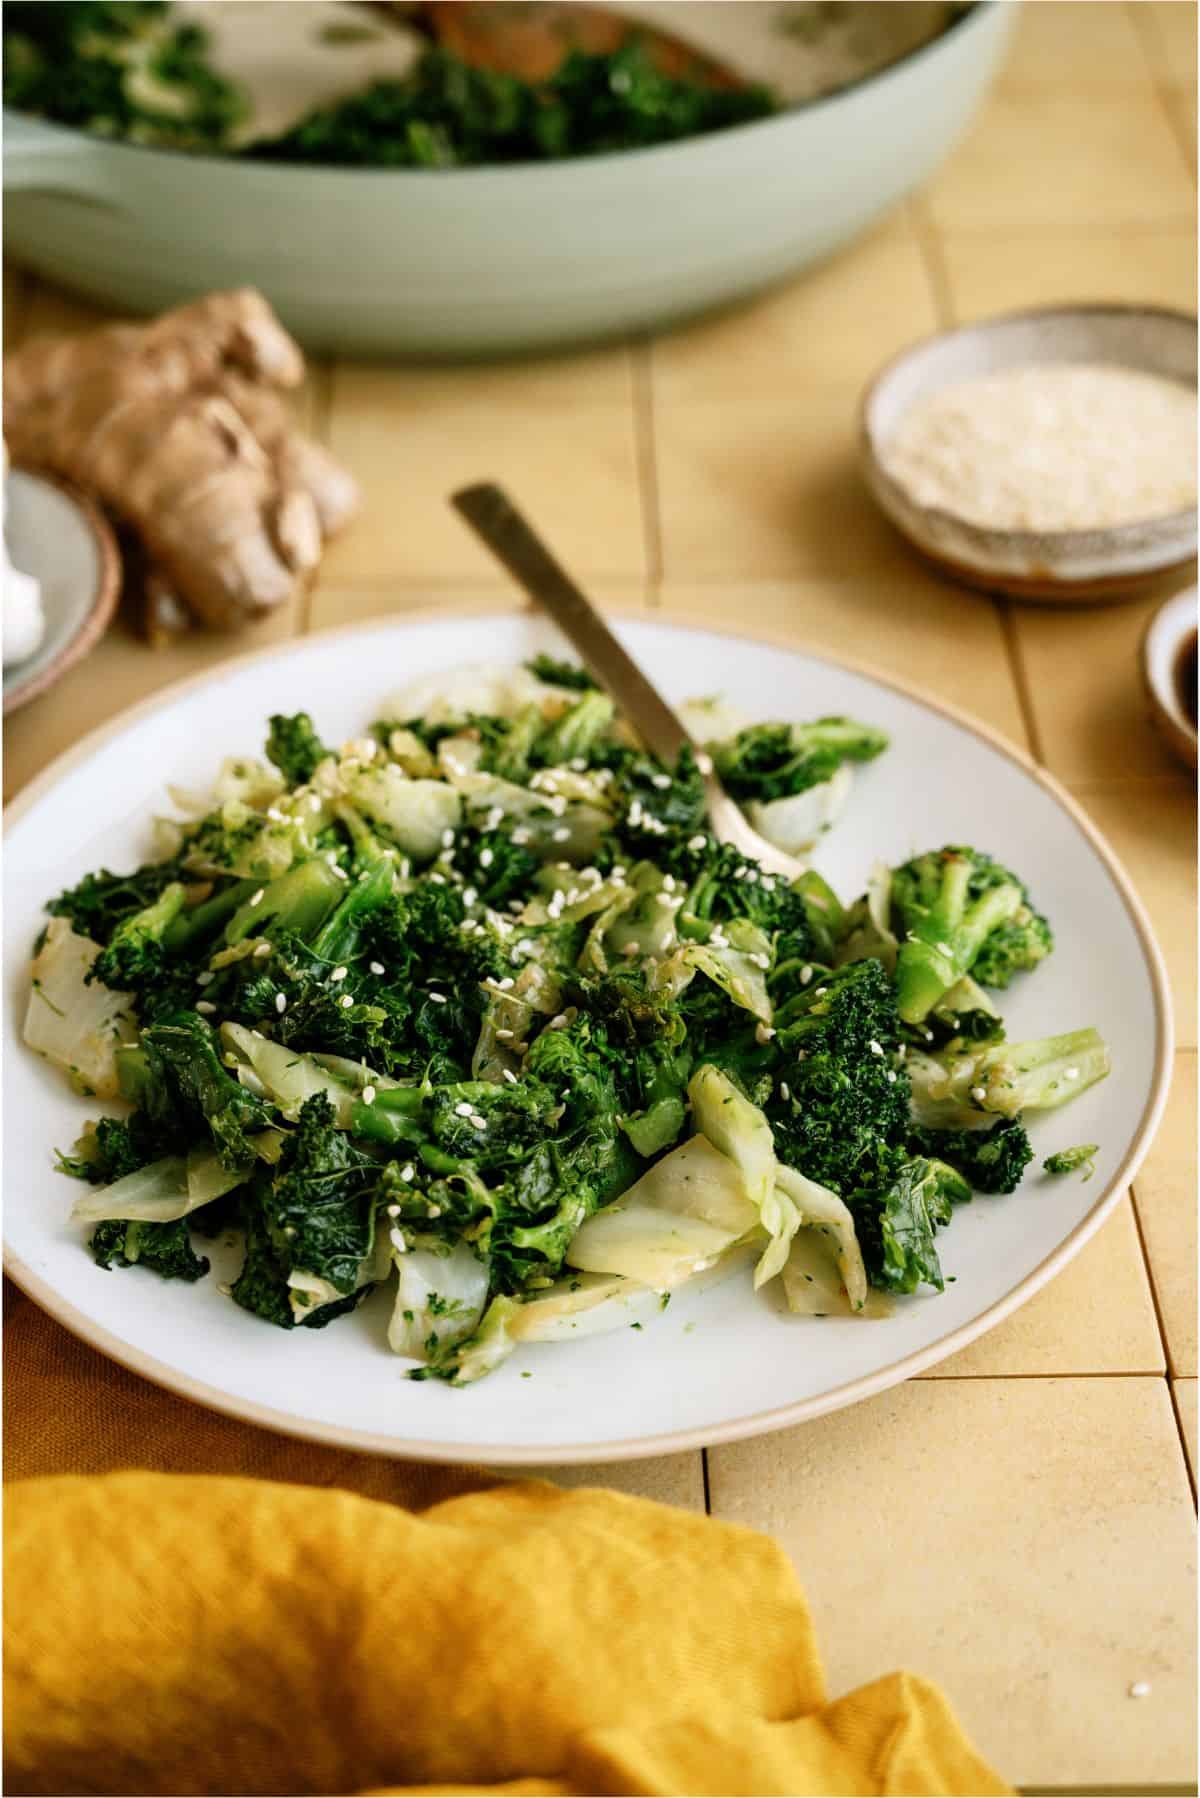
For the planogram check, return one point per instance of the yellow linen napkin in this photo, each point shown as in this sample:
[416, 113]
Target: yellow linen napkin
[183, 1634]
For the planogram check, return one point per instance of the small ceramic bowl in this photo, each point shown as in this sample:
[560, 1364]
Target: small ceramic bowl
[1112, 564]
[59, 535]
[1169, 671]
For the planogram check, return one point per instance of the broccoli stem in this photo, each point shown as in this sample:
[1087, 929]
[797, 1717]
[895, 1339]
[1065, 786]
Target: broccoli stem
[940, 946]
[300, 901]
[339, 936]
[204, 920]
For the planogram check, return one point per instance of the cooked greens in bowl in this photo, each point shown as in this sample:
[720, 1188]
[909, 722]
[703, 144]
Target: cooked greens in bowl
[478, 1004]
[436, 86]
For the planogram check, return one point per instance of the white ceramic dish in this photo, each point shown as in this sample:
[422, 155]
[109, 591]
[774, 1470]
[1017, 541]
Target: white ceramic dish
[1164, 648]
[714, 1366]
[375, 261]
[1057, 566]
[59, 535]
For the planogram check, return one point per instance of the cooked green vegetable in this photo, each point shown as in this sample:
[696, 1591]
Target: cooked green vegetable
[126, 69]
[1067, 1161]
[479, 1004]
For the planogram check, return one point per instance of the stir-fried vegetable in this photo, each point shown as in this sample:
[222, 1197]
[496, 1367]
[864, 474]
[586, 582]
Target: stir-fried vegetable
[477, 1005]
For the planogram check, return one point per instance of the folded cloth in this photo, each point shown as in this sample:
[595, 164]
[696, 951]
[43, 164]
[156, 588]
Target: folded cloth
[175, 1633]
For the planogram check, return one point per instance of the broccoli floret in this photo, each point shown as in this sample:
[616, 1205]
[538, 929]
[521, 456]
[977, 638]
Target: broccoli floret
[957, 912]
[960, 1086]
[577, 732]
[294, 747]
[992, 1160]
[164, 1248]
[185, 1047]
[561, 674]
[846, 1104]
[135, 957]
[1066, 1161]
[103, 901]
[774, 761]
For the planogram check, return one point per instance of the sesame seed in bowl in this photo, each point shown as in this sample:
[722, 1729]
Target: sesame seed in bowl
[1047, 454]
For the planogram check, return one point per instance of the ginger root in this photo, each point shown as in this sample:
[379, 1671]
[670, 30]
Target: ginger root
[180, 427]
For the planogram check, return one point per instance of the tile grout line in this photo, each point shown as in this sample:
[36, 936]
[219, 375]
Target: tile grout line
[1020, 677]
[708, 1510]
[937, 272]
[645, 444]
[1154, 52]
[1173, 1394]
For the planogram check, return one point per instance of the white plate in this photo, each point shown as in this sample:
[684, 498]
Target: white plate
[712, 1367]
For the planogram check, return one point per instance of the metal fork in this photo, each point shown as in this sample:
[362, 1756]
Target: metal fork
[514, 543]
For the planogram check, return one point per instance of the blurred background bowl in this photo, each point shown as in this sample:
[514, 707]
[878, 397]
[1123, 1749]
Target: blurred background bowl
[486, 260]
[1117, 562]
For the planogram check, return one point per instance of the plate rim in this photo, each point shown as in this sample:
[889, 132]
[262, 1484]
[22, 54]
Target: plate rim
[837, 1398]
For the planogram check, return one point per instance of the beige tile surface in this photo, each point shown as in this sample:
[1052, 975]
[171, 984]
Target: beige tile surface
[1083, 675]
[332, 604]
[852, 313]
[1170, 31]
[1151, 824]
[899, 619]
[1165, 1194]
[559, 435]
[1027, 1543]
[1181, 107]
[1019, 164]
[1184, 1393]
[767, 487]
[1053, 46]
[1096, 1317]
[1013, 268]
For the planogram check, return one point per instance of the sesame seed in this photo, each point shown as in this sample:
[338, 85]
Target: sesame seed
[506, 984]
[434, 1211]
[761, 961]
[262, 950]
[396, 1238]
[557, 804]
[978, 1094]
[434, 999]
[524, 946]
[275, 815]
[763, 1033]
[891, 1076]
[281, 1002]
[437, 880]
[486, 858]
[1072, 1073]
[257, 898]
[665, 899]
[704, 762]
[447, 839]
[629, 949]
[407, 1171]
[205, 1005]
[578, 764]
[376, 967]
[331, 857]
[561, 835]
[509, 1076]
[520, 835]
[493, 820]
[820, 992]
[339, 973]
[205, 979]
[785, 1091]
[314, 804]
[347, 1003]
[661, 781]
[806, 975]
[340, 872]
[462, 1109]
[393, 1210]
[469, 897]
[874, 1047]
[368, 1095]
[698, 841]
[478, 1122]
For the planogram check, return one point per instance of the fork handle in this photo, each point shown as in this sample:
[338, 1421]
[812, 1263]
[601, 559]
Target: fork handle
[513, 541]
